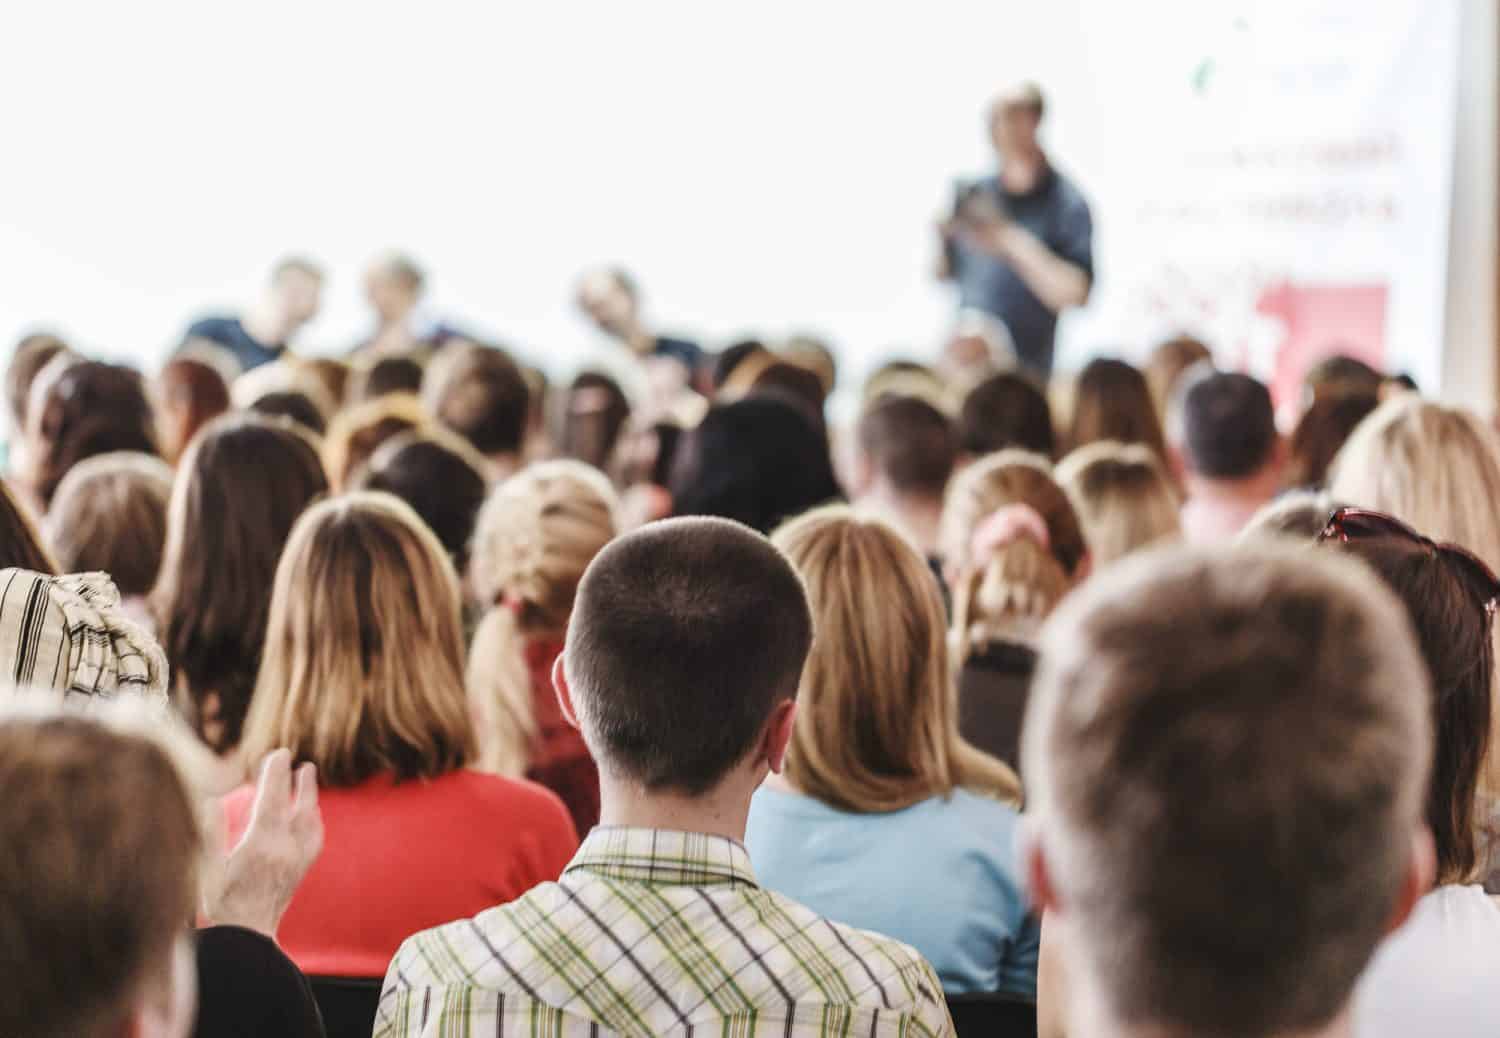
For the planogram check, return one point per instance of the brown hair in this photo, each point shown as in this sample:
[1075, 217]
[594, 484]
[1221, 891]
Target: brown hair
[90, 408]
[440, 476]
[99, 876]
[243, 483]
[480, 393]
[384, 376]
[1321, 434]
[1112, 402]
[1168, 362]
[356, 433]
[910, 443]
[32, 354]
[536, 535]
[110, 515]
[877, 724]
[1013, 590]
[685, 636]
[363, 667]
[1123, 496]
[190, 394]
[1451, 616]
[1006, 410]
[21, 547]
[1251, 721]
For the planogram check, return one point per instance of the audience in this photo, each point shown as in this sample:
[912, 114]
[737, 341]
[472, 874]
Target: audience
[758, 461]
[1004, 411]
[1012, 549]
[189, 394]
[1226, 758]
[1232, 456]
[1168, 363]
[905, 452]
[440, 476]
[1111, 401]
[88, 408]
[240, 487]
[363, 677]
[686, 696]
[21, 546]
[1123, 496]
[595, 411]
[385, 376]
[876, 767]
[611, 299]
[110, 515]
[33, 353]
[295, 406]
[536, 535]
[356, 433]
[1418, 982]
[1297, 515]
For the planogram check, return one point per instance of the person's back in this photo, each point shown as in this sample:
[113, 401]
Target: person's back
[684, 651]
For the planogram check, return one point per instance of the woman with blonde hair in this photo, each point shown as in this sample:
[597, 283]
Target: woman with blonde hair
[880, 793]
[1437, 469]
[1124, 497]
[363, 677]
[536, 534]
[1012, 547]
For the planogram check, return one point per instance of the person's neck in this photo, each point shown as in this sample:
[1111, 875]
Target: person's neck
[1248, 493]
[1087, 1020]
[721, 811]
[1021, 172]
[266, 323]
[916, 517]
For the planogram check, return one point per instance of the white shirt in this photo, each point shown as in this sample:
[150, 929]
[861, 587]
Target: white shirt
[1439, 975]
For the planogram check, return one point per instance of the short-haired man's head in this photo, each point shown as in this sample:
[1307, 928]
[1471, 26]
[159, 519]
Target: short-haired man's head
[1006, 410]
[1214, 731]
[480, 393]
[909, 444]
[99, 876]
[1229, 426]
[1449, 605]
[685, 635]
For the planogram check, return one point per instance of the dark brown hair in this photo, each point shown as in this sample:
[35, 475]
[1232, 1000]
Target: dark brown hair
[685, 635]
[480, 393]
[1006, 410]
[1321, 434]
[910, 443]
[110, 514]
[243, 483]
[397, 373]
[1451, 617]
[21, 547]
[91, 408]
[595, 410]
[191, 393]
[1112, 402]
[440, 477]
[99, 876]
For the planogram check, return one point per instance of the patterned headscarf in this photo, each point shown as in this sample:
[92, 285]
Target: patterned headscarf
[68, 634]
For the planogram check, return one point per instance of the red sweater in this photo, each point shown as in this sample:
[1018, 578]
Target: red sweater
[402, 858]
[560, 759]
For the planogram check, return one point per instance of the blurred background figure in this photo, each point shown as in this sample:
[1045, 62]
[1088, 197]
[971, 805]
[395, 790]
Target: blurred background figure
[262, 333]
[904, 453]
[1111, 401]
[1124, 497]
[1233, 456]
[1019, 244]
[1006, 410]
[611, 299]
[189, 393]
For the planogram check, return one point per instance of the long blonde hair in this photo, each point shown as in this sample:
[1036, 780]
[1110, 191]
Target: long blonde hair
[1123, 496]
[877, 723]
[1438, 469]
[1011, 590]
[363, 666]
[536, 534]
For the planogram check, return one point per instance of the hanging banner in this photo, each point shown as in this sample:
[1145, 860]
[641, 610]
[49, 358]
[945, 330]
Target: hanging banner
[1279, 184]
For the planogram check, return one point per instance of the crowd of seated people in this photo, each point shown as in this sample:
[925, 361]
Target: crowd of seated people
[656, 700]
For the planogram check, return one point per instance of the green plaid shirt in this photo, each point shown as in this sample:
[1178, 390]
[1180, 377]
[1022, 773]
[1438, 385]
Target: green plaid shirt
[651, 932]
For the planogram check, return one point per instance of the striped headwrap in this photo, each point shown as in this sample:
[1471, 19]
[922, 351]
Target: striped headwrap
[68, 634]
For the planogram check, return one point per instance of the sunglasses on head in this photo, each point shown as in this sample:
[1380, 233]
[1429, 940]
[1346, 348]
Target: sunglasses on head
[1358, 524]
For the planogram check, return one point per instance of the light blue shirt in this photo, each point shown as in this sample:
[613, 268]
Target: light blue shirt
[941, 876]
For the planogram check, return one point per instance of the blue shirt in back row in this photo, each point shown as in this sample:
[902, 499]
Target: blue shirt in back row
[941, 876]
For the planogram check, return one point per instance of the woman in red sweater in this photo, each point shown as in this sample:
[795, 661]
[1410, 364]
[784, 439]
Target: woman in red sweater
[535, 536]
[363, 676]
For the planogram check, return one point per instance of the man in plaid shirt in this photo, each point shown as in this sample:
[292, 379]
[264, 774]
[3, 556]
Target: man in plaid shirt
[682, 661]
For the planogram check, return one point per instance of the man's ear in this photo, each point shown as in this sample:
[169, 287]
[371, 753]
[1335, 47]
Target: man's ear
[1421, 871]
[564, 694]
[779, 734]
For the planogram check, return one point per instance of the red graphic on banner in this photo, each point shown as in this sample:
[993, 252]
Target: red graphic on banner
[1318, 321]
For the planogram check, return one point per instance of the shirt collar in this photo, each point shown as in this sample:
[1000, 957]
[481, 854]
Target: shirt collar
[664, 857]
